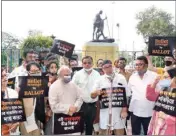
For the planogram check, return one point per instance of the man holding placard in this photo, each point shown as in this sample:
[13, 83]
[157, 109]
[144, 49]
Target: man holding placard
[65, 102]
[112, 91]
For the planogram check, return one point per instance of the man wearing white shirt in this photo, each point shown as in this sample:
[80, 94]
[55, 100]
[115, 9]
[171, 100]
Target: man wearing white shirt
[109, 80]
[85, 79]
[140, 107]
[21, 70]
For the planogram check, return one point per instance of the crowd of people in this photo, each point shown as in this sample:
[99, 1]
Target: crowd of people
[72, 91]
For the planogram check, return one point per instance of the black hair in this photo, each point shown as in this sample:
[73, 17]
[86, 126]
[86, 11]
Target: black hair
[28, 67]
[51, 62]
[87, 57]
[26, 51]
[99, 60]
[49, 55]
[143, 58]
[106, 62]
[44, 50]
[122, 58]
[53, 57]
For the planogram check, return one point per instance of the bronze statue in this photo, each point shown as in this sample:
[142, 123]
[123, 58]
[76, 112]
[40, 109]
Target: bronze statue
[98, 26]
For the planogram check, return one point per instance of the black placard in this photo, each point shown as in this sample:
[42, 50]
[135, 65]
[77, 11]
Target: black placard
[11, 83]
[12, 111]
[33, 86]
[166, 102]
[118, 97]
[161, 45]
[65, 124]
[63, 48]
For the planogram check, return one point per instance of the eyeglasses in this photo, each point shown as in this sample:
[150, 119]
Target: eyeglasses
[122, 62]
[110, 66]
[139, 64]
[87, 63]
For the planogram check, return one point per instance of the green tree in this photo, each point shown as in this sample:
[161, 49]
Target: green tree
[9, 46]
[155, 22]
[35, 39]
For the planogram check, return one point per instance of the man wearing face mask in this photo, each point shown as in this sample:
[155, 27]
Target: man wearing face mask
[64, 96]
[85, 79]
[108, 80]
[140, 107]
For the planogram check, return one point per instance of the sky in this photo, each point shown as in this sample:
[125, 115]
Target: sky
[72, 21]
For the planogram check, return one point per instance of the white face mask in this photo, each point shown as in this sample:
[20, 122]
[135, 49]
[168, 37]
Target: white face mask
[87, 70]
[67, 79]
[111, 76]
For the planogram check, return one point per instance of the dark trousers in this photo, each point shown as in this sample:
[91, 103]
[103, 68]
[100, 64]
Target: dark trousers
[89, 110]
[136, 124]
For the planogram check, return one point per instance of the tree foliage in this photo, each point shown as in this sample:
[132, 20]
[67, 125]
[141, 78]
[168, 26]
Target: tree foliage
[36, 39]
[9, 40]
[155, 22]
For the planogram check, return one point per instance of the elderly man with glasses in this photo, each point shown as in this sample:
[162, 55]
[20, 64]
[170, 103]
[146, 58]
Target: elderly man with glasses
[109, 80]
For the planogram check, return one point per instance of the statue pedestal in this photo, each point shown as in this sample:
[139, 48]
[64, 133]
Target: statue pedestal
[103, 49]
[110, 40]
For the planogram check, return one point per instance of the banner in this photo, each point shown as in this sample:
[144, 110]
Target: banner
[65, 124]
[161, 45]
[166, 102]
[63, 48]
[33, 86]
[12, 111]
[11, 83]
[118, 97]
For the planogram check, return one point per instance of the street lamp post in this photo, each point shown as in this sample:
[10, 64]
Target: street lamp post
[118, 26]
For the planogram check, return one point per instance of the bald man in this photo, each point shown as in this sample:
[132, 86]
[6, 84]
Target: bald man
[65, 96]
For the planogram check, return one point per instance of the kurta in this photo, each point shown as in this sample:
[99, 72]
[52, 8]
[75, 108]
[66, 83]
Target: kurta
[62, 96]
[101, 83]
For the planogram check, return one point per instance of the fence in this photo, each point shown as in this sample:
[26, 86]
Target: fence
[10, 57]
